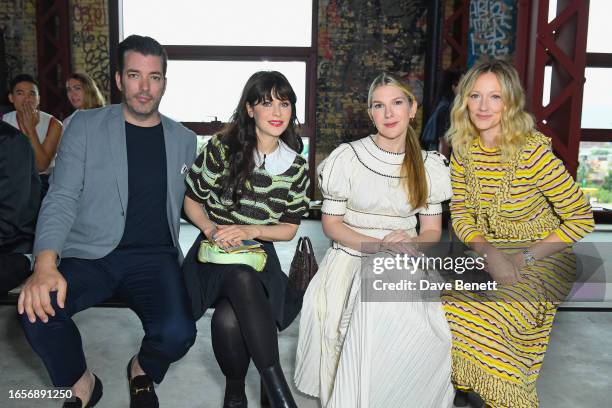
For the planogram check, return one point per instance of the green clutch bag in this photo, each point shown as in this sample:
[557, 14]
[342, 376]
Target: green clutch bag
[255, 257]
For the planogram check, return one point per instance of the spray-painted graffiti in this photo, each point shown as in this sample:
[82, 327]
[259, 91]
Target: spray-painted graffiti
[492, 29]
[357, 41]
[90, 42]
[89, 16]
[18, 21]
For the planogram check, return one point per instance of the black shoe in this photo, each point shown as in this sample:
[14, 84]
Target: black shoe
[142, 391]
[235, 401]
[277, 388]
[461, 399]
[96, 394]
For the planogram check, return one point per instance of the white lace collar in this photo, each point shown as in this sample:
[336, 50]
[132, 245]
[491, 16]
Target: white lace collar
[277, 162]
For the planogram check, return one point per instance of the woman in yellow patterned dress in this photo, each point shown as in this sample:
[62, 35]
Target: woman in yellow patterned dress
[515, 204]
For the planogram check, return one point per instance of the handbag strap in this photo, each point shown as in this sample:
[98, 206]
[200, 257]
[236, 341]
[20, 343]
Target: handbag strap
[304, 245]
[308, 245]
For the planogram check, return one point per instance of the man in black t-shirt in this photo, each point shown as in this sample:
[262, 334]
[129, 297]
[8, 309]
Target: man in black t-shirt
[19, 204]
[109, 227]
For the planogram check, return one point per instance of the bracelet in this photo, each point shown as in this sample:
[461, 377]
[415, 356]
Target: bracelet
[528, 257]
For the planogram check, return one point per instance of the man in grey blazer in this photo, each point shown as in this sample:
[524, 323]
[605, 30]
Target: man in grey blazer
[109, 226]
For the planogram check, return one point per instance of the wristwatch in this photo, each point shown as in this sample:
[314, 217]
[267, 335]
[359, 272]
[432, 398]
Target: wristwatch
[528, 257]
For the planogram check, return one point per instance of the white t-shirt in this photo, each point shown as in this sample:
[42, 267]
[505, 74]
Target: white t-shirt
[41, 129]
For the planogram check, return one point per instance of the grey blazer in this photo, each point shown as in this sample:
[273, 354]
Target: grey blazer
[83, 213]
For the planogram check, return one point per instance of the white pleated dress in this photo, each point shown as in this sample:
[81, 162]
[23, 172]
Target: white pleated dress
[355, 354]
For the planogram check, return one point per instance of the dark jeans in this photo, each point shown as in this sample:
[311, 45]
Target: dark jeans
[14, 269]
[148, 280]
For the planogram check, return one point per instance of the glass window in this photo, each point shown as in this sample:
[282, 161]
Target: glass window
[272, 23]
[600, 29]
[546, 87]
[595, 172]
[552, 10]
[596, 101]
[203, 91]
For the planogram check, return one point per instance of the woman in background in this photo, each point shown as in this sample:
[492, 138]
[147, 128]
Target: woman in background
[83, 93]
[515, 204]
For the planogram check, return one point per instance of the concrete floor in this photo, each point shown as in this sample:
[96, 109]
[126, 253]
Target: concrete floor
[577, 371]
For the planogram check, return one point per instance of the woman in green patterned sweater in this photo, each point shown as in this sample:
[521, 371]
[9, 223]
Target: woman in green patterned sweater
[250, 182]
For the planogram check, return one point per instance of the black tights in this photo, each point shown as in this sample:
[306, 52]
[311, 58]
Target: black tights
[243, 326]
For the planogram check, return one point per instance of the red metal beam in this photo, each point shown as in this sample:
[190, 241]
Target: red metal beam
[455, 33]
[561, 45]
[54, 58]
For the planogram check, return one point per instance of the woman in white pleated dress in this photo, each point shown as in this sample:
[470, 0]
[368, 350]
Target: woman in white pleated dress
[370, 354]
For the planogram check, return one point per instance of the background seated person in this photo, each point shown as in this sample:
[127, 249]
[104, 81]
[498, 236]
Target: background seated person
[43, 130]
[19, 203]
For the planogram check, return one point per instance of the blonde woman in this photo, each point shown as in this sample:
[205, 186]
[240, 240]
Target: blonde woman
[515, 204]
[83, 93]
[358, 353]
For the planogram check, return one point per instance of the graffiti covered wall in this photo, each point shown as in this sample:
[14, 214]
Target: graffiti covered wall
[18, 20]
[90, 41]
[492, 29]
[89, 36]
[357, 41]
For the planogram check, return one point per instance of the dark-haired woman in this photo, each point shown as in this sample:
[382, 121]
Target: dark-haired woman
[249, 183]
[353, 351]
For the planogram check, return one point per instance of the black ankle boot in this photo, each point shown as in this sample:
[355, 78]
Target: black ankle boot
[235, 396]
[277, 388]
[235, 401]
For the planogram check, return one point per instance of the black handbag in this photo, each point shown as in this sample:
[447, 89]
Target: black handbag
[303, 266]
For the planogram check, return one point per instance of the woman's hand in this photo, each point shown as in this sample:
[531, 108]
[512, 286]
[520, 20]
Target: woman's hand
[400, 241]
[209, 231]
[233, 235]
[502, 268]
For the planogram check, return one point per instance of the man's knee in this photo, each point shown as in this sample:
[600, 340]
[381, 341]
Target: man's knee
[39, 329]
[176, 337]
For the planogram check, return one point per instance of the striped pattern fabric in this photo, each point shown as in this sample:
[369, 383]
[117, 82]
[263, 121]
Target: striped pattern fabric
[500, 337]
[270, 200]
[541, 189]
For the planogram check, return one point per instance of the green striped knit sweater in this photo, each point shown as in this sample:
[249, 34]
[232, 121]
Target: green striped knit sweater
[272, 199]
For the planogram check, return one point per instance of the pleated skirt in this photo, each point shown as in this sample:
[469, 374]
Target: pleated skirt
[361, 354]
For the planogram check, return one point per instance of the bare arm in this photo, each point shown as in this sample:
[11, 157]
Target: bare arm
[43, 152]
[197, 215]
[336, 230]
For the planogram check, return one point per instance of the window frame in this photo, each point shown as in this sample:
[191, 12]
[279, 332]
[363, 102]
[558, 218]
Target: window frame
[237, 53]
[597, 60]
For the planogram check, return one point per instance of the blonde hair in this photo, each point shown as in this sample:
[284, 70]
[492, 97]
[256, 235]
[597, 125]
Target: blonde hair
[516, 123]
[414, 178]
[92, 96]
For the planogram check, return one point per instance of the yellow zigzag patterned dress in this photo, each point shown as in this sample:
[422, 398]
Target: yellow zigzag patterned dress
[500, 337]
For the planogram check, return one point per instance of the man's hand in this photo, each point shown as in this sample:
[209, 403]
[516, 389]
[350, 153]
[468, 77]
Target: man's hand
[30, 118]
[34, 298]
